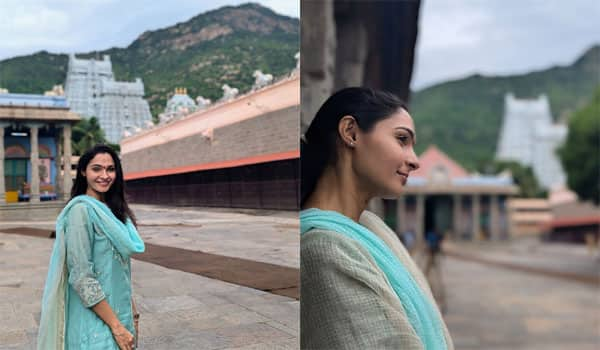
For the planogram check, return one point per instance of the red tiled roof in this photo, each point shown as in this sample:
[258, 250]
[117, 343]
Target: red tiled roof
[433, 157]
[574, 222]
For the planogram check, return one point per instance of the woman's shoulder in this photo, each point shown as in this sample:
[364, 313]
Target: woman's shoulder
[76, 206]
[321, 237]
[326, 256]
[331, 247]
[372, 221]
[77, 210]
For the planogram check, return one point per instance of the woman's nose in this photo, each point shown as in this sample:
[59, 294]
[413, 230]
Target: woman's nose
[413, 162]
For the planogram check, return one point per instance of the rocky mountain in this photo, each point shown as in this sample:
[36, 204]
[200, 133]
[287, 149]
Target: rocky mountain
[463, 117]
[223, 46]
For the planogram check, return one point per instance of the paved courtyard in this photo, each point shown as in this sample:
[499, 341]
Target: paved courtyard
[179, 310]
[488, 305]
[497, 308]
[265, 236]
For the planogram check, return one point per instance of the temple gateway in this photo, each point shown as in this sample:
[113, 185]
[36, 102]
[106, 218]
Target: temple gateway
[92, 91]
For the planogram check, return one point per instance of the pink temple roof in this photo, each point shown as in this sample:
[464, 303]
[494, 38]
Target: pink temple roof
[433, 157]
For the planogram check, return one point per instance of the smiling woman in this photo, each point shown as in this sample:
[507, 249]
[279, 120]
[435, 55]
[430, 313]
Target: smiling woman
[87, 301]
[359, 287]
[99, 174]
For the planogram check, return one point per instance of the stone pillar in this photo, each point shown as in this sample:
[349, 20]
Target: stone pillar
[58, 179]
[494, 218]
[475, 210]
[2, 184]
[420, 220]
[67, 180]
[352, 43]
[401, 215]
[456, 216]
[318, 47]
[34, 192]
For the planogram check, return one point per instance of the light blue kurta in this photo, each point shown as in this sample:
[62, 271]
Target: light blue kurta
[96, 271]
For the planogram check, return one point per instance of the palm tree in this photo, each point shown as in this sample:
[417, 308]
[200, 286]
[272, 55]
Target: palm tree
[86, 134]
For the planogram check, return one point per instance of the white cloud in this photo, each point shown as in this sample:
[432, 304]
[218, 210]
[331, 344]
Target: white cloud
[462, 37]
[290, 8]
[27, 26]
[439, 32]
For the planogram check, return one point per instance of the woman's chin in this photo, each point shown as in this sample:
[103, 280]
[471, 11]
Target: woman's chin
[102, 189]
[393, 193]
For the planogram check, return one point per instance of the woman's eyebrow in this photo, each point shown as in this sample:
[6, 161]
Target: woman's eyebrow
[412, 133]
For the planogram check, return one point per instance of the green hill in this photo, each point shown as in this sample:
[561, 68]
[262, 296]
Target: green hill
[464, 117]
[217, 47]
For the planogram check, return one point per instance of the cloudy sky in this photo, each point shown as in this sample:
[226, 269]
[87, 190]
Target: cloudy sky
[28, 26]
[457, 37]
[462, 37]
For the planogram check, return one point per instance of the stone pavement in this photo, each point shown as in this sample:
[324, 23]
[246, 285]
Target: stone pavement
[259, 235]
[266, 236]
[276, 279]
[571, 261]
[488, 306]
[179, 310]
[493, 307]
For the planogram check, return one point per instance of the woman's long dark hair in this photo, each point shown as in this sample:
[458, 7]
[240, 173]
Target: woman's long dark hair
[318, 146]
[115, 196]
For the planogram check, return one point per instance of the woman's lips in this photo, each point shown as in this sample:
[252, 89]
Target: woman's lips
[403, 175]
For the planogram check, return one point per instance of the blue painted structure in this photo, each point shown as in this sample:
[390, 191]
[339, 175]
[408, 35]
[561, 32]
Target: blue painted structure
[32, 100]
[17, 144]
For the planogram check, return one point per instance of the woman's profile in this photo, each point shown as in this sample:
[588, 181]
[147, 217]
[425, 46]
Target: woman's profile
[87, 302]
[360, 288]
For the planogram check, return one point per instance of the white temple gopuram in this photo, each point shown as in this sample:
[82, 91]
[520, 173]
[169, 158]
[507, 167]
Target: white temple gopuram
[179, 105]
[92, 91]
[529, 137]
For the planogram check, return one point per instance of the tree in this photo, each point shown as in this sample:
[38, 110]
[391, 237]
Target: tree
[86, 134]
[522, 175]
[580, 155]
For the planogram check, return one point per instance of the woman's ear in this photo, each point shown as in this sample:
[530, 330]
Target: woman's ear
[348, 130]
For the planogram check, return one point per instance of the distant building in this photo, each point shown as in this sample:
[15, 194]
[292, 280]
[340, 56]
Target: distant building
[92, 91]
[527, 216]
[179, 105]
[574, 222]
[35, 135]
[443, 197]
[239, 153]
[529, 137]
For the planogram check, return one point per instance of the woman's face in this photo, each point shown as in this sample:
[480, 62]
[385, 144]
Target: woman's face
[100, 174]
[384, 156]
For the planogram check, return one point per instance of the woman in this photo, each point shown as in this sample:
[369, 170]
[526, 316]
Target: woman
[360, 288]
[87, 301]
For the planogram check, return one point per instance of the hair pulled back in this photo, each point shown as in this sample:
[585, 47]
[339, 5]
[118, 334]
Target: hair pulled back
[318, 146]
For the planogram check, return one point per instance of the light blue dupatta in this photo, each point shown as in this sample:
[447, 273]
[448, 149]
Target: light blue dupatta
[125, 239]
[420, 312]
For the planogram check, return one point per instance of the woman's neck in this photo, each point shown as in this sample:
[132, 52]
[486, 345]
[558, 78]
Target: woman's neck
[337, 191]
[99, 196]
